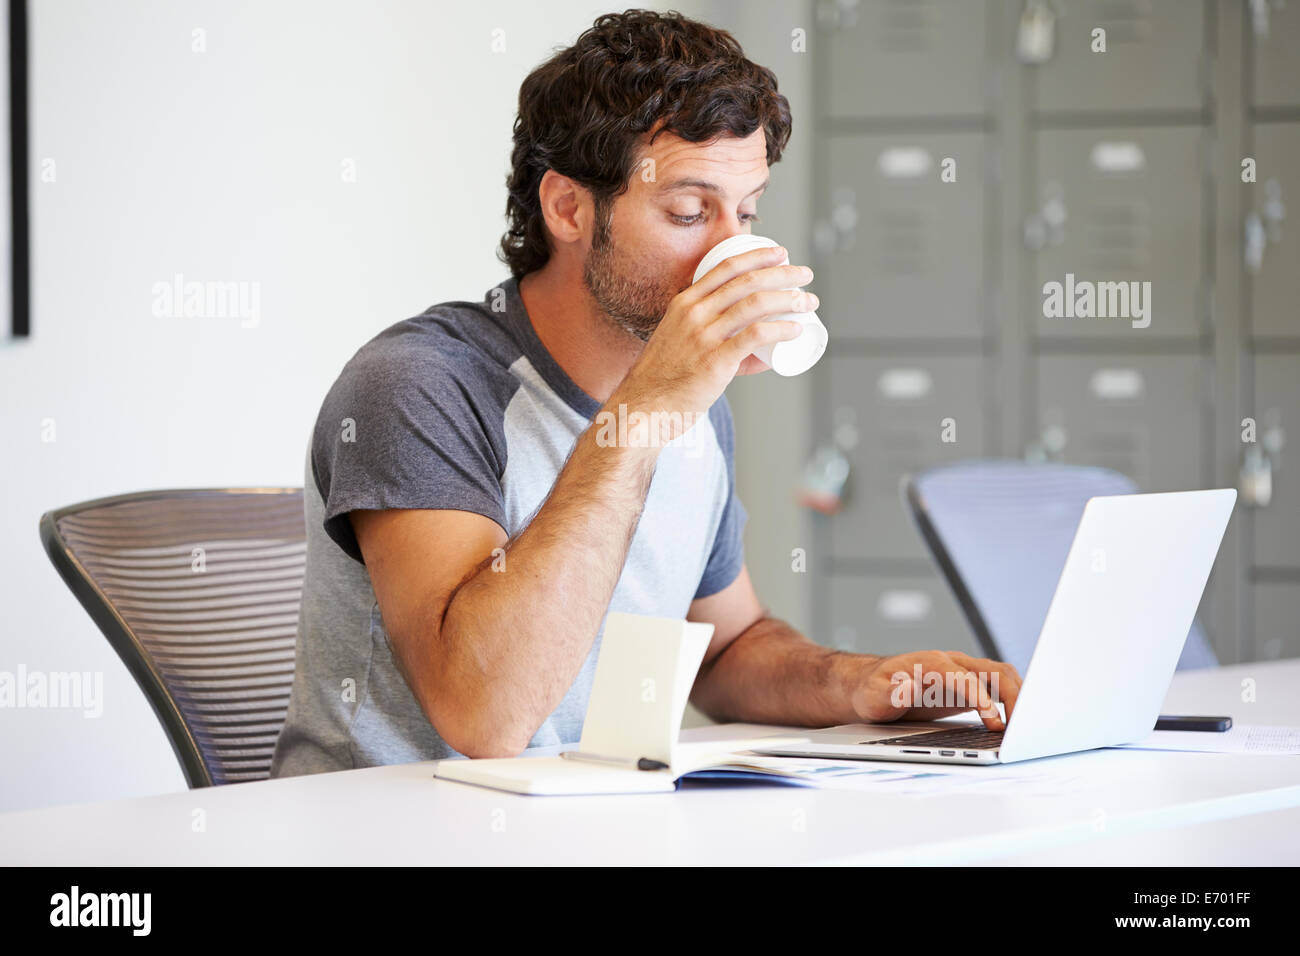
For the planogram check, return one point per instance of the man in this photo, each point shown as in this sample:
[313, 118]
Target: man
[487, 480]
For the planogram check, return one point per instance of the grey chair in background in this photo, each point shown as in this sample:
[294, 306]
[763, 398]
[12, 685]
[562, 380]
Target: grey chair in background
[198, 593]
[1000, 531]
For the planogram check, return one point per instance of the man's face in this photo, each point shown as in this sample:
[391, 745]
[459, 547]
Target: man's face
[684, 199]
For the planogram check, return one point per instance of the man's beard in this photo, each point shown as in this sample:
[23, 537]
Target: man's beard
[634, 302]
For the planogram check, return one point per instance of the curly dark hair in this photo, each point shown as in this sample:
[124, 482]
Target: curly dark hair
[582, 111]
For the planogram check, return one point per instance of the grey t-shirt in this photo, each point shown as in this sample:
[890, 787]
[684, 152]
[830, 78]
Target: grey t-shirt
[463, 408]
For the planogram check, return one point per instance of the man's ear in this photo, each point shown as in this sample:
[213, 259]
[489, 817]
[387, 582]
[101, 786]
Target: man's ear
[567, 207]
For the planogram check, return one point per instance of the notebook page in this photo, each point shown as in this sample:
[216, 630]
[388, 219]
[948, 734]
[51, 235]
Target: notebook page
[643, 677]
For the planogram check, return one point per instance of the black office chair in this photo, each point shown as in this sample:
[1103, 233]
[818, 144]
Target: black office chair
[1000, 531]
[198, 592]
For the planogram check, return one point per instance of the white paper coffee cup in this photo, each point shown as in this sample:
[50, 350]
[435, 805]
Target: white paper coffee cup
[790, 357]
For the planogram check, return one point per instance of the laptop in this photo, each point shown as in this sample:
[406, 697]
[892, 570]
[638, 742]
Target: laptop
[1107, 649]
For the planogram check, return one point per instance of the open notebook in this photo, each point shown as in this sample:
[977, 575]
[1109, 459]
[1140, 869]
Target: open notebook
[644, 674]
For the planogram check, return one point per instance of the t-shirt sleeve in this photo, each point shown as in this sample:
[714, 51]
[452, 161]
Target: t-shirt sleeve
[728, 554]
[406, 431]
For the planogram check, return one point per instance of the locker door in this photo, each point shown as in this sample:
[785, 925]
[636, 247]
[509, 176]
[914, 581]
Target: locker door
[896, 614]
[883, 55]
[1120, 205]
[894, 410]
[1277, 620]
[904, 251]
[1277, 409]
[1140, 415]
[1152, 59]
[1271, 238]
[1276, 46]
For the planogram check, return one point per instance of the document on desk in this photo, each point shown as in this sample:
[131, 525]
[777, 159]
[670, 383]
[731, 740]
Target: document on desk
[1241, 739]
[919, 779]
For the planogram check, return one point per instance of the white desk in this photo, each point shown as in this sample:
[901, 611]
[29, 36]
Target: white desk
[402, 815]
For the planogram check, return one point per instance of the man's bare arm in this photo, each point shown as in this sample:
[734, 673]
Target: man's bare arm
[760, 670]
[773, 674]
[491, 654]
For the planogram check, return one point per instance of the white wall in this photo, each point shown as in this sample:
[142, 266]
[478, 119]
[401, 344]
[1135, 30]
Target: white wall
[224, 165]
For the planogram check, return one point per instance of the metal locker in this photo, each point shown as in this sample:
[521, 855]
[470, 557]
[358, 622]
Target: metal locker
[896, 614]
[1274, 32]
[1152, 58]
[1140, 415]
[1118, 216]
[883, 55]
[893, 416]
[1270, 243]
[1277, 620]
[904, 249]
[1276, 413]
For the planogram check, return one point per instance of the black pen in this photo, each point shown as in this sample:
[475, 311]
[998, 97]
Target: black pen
[642, 763]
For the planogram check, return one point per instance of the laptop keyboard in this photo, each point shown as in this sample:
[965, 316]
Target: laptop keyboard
[976, 738]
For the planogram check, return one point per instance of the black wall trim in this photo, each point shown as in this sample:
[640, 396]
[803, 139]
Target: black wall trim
[20, 264]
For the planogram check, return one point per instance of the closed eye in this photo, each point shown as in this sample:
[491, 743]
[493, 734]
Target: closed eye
[692, 220]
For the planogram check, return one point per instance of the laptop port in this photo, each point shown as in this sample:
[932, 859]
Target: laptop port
[946, 753]
[969, 753]
[916, 751]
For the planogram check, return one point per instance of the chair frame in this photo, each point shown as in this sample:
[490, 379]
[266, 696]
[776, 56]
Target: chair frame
[123, 640]
[921, 518]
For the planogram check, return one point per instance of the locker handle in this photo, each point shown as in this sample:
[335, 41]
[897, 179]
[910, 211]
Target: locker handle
[1254, 243]
[1256, 478]
[903, 604]
[1045, 226]
[904, 384]
[1260, 460]
[1049, 446]
[1264, 226]
[1118, 157]
[1259, 18]
[1116, 384]
[904, 162]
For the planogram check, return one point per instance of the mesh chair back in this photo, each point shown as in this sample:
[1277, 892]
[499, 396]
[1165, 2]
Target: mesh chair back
[198, 592]
[1000, 531]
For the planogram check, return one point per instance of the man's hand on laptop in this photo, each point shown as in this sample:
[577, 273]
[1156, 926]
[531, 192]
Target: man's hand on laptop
[929, 685]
